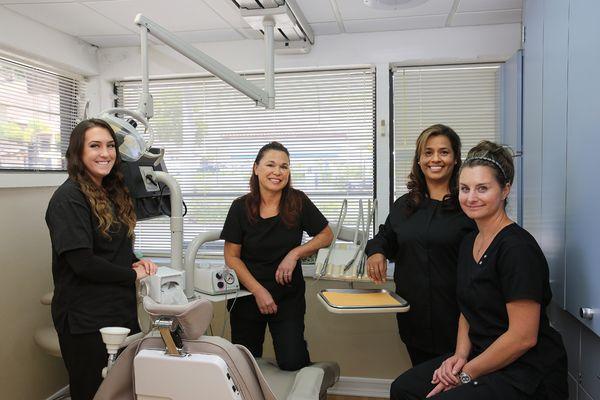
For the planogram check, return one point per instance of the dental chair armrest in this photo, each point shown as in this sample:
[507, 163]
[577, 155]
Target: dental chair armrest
[131, 338]
[307, 384]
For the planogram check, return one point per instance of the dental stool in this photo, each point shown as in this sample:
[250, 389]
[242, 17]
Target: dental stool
[144, 371]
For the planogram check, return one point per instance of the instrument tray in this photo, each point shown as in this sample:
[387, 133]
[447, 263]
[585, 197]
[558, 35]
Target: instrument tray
[362, 301]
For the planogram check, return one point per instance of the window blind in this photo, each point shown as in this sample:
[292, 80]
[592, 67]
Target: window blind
[211, 134]
[464, 97]
[38, 111]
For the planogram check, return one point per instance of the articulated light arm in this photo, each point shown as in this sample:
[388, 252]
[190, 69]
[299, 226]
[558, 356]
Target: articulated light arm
[264, 97]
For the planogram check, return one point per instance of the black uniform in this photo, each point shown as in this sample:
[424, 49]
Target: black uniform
[424, 247]
[512, 268]
[264, 245]
[94, 285]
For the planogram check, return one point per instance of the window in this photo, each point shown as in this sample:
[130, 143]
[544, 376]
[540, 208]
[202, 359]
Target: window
[38, 110]
[465, 97]
[211, 134]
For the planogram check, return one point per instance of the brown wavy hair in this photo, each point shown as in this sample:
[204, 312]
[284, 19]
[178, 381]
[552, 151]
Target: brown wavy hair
[417, 185]
[290, 205]
[110, 203]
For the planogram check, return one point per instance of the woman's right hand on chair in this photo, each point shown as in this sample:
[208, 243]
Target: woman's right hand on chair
[140, 272]
[265, 301]
[377, 268]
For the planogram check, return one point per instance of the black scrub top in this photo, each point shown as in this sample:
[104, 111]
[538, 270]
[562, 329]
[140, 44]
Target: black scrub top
[80, 304]
[512, 268]
[264, 245]
[424, 247]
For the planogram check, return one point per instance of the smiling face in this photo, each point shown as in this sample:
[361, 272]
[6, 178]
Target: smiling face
[99, 153]
[437, 159]
[480, 194]
[273, 171]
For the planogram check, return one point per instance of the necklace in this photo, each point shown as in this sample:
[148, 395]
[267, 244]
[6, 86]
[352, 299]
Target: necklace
[482, 243]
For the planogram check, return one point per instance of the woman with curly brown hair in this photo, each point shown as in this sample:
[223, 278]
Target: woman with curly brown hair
[91, 220]
[263, 244]
[422, 235]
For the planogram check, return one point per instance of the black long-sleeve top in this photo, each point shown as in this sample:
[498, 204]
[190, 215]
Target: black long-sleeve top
[424, 247]
[94, 284]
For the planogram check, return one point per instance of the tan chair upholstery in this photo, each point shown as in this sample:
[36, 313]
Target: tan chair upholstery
[254, 383]
[46, 337]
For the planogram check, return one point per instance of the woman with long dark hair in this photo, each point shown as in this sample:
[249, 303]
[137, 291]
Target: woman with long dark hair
[91, 220]
[505, 347]
[422, 235]
[263, 244]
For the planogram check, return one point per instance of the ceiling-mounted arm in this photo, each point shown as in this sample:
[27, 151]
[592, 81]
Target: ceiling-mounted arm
[263, 97]
[146, 104]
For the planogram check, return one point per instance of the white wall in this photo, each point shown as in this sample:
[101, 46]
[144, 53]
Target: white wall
[29, 39]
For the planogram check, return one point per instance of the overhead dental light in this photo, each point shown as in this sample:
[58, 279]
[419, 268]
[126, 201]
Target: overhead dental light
[132, 145]
[392, 4]
[293, 33]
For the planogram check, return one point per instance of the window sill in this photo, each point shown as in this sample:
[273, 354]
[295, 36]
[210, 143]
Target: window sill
[29, 179]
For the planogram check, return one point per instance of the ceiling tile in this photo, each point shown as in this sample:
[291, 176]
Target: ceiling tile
[488, 5]
[34, 1]
[174, 15]
[395, 24]
[487, 18]
[113, 40]
[355, 9]
[325, 28]
[228, 11]
[316, 10]
[61, 16]
[214, 35]
[250, 33]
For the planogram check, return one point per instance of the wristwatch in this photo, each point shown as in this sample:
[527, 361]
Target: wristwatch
[464, 377]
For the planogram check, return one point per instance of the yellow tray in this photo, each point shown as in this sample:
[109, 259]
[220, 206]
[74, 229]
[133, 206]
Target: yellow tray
[362, 301]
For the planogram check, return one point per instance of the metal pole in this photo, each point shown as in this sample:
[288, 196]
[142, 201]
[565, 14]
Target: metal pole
[269, 27]
[146, 106]
[205, 61]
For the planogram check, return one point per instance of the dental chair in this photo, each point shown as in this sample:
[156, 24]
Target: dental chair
[183, 364]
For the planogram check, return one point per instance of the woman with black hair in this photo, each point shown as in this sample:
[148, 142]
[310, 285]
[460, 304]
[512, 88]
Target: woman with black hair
[422, 235]
[263, 236]
[505, 347]
[91, 221]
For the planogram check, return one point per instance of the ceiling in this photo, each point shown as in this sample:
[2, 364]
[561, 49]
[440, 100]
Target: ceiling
[109, 23]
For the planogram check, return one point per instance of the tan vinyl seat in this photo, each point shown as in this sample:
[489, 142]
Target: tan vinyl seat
[46, 337]
[256, 379]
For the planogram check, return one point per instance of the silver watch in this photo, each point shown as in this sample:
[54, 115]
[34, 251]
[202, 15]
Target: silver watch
[464, 377]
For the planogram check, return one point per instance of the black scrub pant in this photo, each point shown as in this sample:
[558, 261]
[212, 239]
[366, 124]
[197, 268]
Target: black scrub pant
[84, 356]
[415, 384]
[418, 356]
[288, 338]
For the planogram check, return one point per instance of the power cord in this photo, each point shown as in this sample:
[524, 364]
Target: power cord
[227, 312]
[161, 207]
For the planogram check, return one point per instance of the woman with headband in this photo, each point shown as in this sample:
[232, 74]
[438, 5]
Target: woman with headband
[505, 348]
[422, 235]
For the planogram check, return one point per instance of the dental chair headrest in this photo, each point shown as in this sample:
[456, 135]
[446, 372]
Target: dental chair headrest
[193, 317]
